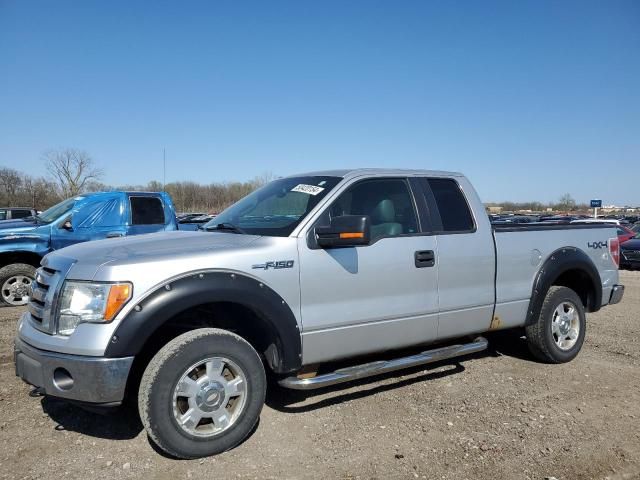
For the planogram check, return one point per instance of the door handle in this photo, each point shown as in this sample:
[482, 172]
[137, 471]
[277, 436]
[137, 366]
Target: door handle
[425, 258]
[114, 235]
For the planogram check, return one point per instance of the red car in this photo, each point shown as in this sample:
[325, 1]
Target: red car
[625, 234]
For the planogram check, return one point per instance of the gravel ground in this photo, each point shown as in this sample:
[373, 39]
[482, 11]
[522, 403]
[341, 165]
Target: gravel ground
[495, 415]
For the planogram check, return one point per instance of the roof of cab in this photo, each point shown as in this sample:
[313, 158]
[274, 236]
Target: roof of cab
[118, 192]
[357, 172]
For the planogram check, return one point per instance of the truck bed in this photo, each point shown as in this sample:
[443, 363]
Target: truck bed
[521, 250]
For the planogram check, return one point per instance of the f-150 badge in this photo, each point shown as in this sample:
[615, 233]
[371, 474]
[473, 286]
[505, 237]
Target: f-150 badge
[276, 265]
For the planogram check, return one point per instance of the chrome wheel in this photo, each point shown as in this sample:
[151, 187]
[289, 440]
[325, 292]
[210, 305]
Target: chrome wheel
[565, 325]
[16, 290]
[209, 397]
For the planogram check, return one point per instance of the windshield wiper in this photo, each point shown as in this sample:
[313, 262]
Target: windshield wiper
[229, 227]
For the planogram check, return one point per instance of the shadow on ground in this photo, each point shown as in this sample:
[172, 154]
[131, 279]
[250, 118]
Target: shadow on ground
[508, 343]
[123, 423]
[118, 423]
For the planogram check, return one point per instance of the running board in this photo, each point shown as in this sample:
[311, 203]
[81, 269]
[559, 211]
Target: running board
[383, 366]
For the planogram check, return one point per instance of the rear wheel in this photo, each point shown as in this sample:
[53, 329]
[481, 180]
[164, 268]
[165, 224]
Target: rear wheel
[558, 334]
[202, 393]
[15, 284]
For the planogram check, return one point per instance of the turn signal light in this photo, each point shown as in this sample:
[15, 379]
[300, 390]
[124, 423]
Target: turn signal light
[352, 235]
[119, 294]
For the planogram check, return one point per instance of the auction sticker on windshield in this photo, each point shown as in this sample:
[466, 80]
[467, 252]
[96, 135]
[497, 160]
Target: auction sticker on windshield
[308, 189]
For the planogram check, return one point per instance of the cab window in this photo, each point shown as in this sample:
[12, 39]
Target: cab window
[146, 211]
[386, 201]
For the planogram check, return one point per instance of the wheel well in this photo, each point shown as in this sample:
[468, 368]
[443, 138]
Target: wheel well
[233, 317]
[580, 282]
[9, 258]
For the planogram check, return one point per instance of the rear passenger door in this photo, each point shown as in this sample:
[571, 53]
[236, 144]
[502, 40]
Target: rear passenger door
[466, 257]
[146, 214]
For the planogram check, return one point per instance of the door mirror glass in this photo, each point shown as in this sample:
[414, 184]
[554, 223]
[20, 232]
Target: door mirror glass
[66, 225]
[345, 231]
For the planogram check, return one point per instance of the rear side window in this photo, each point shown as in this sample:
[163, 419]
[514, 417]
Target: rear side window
[146, 211]
[3, 214]
[452, 206]
[20, 213]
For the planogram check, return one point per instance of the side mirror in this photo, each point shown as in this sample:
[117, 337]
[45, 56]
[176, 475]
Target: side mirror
[67, 225]
[345, 231]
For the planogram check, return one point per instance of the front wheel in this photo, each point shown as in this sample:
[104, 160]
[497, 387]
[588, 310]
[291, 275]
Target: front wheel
[558, 334]
[15, 284]
[202, 393]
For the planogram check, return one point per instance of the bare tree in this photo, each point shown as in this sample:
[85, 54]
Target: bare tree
[566, 203]
[71, 169]
[10, 184]
[263, 179]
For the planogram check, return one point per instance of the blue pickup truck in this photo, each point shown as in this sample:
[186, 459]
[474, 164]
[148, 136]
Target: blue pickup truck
[92, 216]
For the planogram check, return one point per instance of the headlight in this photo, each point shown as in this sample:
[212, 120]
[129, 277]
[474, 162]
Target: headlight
[83, 302]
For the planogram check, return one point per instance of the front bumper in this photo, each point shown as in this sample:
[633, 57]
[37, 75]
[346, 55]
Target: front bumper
[616, 294]
[95, 380]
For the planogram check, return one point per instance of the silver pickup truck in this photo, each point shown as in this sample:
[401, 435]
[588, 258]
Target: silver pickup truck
[307, 270]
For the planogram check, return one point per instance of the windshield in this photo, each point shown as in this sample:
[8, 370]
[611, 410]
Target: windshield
[275, 209]
[58, 210]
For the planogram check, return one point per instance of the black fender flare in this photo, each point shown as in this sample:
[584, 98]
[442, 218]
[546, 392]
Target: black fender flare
[203, 287]
[559, 262]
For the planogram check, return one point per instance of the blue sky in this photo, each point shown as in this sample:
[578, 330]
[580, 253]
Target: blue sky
[530, 99]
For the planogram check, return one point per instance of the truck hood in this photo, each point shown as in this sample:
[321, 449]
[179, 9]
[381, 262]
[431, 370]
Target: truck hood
[8, 227]
[88, 257]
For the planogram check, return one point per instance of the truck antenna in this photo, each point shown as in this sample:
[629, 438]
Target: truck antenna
[164, 168]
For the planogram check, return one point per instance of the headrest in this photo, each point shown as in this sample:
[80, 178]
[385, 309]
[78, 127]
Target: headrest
[384, 212]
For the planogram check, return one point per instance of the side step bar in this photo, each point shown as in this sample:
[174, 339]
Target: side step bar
[383, 366]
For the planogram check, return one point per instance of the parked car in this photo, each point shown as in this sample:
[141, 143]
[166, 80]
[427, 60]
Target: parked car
[557, 219]
[517, 219]
[13, 213]
[186, 217]
[91, 216]
[630, 253]
[194, 222]
[624, 233]
[612, 221]
[307, 270]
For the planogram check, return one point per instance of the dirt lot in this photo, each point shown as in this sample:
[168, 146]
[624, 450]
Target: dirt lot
[495, 415]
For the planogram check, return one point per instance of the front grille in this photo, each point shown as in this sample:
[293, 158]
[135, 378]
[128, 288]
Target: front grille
[631, 255]
[41, 301]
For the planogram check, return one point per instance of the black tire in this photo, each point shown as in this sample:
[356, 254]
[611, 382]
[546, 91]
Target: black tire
[540, 337]
[13, 270]
[156, 401]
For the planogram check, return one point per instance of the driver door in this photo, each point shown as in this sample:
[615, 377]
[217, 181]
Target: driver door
[93, 219]
[363, 299]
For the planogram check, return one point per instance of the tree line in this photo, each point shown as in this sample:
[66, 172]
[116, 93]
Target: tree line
[72, 172]
[565, 203]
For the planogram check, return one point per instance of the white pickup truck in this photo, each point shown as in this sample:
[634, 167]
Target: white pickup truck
[304, 271]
